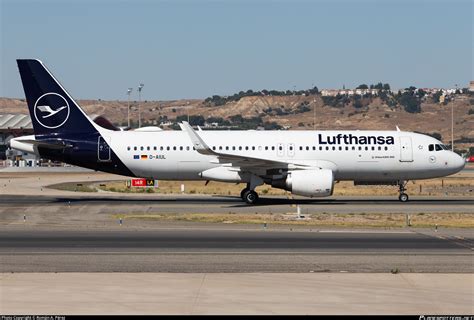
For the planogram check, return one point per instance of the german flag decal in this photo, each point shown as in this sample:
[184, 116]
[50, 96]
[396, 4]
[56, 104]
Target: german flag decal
[144, 157]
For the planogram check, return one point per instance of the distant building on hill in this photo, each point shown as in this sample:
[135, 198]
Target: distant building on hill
[471, 86]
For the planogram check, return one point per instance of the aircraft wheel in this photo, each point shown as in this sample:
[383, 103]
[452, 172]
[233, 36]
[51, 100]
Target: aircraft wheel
[242, 193]
[250, 197]
[403, 197]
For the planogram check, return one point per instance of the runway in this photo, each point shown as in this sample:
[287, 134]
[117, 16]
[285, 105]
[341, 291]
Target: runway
[219, 204]
[232, 250]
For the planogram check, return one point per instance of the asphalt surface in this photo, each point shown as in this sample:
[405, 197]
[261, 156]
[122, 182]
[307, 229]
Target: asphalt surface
[231, 250]
[219, 204]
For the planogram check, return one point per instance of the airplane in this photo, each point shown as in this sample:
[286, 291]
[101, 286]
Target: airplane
[306, 163]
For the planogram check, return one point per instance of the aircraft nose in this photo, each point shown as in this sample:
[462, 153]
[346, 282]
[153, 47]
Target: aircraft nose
[458, 162]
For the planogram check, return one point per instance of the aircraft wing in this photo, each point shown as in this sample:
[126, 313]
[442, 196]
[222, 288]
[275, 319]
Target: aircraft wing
[235, 160]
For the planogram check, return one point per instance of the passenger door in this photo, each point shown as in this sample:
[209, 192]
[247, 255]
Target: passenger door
[406, 151]
[103, 149]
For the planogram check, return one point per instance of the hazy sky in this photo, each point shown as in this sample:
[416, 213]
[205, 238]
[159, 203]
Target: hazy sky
[193, 49]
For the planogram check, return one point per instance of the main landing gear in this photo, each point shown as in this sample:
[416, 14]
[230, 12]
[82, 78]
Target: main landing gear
[249, 196]
[403, 197]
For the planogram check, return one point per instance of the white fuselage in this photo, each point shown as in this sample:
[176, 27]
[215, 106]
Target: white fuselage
[169, 155]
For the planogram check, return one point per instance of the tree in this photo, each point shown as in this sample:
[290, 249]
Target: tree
[378, 86]
[410, 102]
[363, 86]
[386, 86]
[437, 95]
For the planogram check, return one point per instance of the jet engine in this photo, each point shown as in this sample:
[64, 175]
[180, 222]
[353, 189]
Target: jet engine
[308, 183]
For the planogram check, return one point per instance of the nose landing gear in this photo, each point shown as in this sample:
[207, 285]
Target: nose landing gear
[403, 197]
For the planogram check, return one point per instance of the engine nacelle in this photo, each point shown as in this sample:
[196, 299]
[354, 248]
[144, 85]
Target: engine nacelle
[308, 183]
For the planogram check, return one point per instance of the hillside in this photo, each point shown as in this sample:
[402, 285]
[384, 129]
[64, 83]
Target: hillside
[287, 111]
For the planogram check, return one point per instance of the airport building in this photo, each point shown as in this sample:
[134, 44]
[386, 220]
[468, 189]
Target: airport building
[11, 126]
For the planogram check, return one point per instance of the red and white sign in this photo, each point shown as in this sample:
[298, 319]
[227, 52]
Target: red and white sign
[138, 182]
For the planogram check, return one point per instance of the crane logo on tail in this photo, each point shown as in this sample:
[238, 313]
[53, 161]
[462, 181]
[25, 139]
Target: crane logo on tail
[51, 110]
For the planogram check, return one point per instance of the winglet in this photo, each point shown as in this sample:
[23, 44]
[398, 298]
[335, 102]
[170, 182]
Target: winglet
[197, 141]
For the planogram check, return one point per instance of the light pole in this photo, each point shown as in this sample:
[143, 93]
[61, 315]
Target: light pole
[140, 87]
[314, 114]
[452, 121]
[129, 90]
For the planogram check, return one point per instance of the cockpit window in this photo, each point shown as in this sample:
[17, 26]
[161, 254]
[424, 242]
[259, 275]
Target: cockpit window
[437, 147]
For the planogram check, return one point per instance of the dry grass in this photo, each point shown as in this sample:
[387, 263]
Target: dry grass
[458, 185]
[372, 220]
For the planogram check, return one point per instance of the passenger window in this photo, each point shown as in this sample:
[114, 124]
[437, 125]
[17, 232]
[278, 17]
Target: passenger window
[307, 148]
[366, 148]
[148, 148]
[301, 148]
[333, 148]
[214, 148]
[141, 148]
[240, 148]
[273, 148]
[280, 148]
[347, 148]
[181, 148]
[187, 148]
[174, 148]
[253, 147]
[360, 148]
[220, 147]
[233, 147]
[340, 148]
[161, 148]
[386, 148]
[246, 147]
[373, 148]
[168, 148]
[314, 148]
[380, 148]
[327, 148]
[320, 148]
[154, 148]
[291, 148]
[135, 148]
[431, 147]
[266, 148]
[128, 148]
[353, 147]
